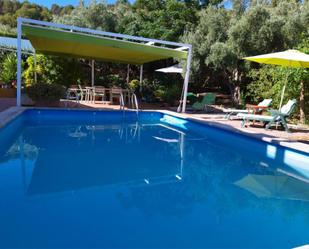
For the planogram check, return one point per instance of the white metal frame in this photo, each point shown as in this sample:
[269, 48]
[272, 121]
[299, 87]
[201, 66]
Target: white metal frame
[90, 32]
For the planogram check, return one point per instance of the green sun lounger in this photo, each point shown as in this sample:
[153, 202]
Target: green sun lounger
[208, 99]
[230, 112]
[276, 117]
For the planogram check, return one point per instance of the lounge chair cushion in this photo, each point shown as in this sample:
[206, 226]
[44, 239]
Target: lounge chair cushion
[288, 107]
[264, 118]
[236, 110]
[265, 102]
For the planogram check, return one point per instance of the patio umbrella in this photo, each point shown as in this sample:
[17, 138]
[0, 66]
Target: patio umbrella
[288, 58]
[272, 186]
[172, 69]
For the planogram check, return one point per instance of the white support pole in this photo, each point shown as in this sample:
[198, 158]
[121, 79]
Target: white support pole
[141, 78]
[128, 74]
[18, 94]
[92, 73]
[284, 87]
[35, 74]
[186, 81]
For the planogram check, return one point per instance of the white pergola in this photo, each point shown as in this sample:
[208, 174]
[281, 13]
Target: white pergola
[127, 49]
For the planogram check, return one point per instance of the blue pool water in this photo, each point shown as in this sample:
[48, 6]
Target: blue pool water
[103, 179]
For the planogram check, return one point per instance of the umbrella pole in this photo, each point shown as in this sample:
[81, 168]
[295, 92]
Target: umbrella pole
[283, 90]
[282, 96]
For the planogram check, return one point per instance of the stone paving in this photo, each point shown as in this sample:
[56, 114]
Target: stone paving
[297, 138]
[6, 103]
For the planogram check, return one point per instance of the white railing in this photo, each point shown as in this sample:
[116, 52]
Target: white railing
[134, 102]
[121, 102]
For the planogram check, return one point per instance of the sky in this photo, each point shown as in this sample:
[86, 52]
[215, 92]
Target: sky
[48, 3]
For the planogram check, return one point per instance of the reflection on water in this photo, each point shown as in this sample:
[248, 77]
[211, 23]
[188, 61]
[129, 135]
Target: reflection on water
[276, 186]
[99, 156]
[109, 185]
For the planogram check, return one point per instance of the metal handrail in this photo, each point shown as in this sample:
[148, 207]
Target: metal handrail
[121, 102]
[134, 102]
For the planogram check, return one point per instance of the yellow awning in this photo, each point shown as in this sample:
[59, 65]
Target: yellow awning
[59, 42]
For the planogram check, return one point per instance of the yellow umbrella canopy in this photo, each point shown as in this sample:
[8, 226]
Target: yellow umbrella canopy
[288, 58]
[272, 186]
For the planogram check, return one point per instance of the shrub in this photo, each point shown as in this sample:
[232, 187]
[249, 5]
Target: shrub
[43, 92]
[134, 85]
[169, 94]
[8, 68]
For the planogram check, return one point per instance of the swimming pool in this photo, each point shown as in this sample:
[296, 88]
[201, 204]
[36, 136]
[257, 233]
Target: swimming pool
[114, 179]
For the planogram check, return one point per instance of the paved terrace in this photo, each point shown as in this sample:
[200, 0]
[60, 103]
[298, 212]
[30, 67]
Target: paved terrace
[297, 139]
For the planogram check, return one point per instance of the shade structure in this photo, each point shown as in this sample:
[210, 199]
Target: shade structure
[58, 42]
[275, 186]
[288, 58]
[60, 39]
[10, 43]
[172, 69]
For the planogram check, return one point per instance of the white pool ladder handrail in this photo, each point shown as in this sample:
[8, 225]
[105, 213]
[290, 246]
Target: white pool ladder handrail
[121, 102]
[134, 102]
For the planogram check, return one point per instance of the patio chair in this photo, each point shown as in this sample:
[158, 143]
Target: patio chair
[73, 94]
[115, 93]
[264, 104]
[276, 117]
[208, 99]
[99, 91]
[82, 93]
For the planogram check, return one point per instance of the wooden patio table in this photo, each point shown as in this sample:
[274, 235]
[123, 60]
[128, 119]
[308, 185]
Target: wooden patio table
[255, 109]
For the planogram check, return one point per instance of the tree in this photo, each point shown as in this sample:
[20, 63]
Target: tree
[33, 11]
[268, 81]
[55, 9]
[8, 68]
[53, 70]
[223, 37]
[96, 15]
[304, 82]
[161, 19]
[9, 6]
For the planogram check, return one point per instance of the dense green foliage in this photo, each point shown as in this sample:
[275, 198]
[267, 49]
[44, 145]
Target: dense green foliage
[269, 80]
[8, 69]
[46, 93]
[53, 70]
[223, 37]
[220, 36]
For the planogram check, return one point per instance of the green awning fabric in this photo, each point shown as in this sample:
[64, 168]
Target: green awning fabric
[59, 42]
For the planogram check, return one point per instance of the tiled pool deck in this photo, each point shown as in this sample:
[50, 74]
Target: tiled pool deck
[297, 139]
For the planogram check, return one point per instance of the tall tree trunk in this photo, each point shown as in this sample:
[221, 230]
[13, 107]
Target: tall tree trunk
[236, 95]
[235, 92]
[302, 102]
